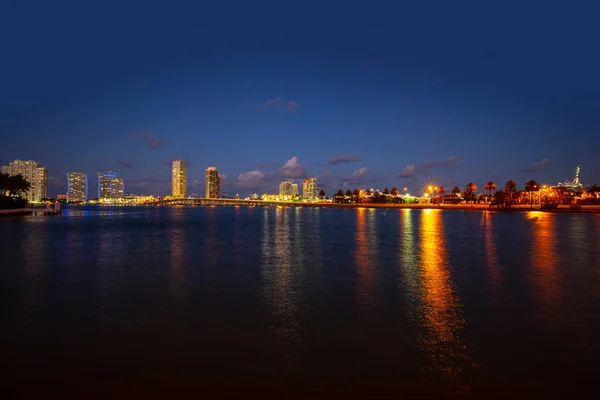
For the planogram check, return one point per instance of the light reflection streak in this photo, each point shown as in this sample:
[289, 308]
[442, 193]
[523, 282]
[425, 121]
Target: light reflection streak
[544, 261]
[237, 251]
[211, 249]
[408, 261]
[177, 255]
[491, 255]
[279, 289]
[364, 255]
[441, 313]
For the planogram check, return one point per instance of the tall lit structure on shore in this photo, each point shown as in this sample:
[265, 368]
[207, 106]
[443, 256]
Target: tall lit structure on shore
[213, 183]
[109, 186]
[179, 178]
[310, 191]
[575, 184]
[287, 190]
[77, 187]
[34, 173]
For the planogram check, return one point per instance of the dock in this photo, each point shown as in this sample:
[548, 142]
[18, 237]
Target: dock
[49, 210]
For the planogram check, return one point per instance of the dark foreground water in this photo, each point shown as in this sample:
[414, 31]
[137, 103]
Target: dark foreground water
[162, 301]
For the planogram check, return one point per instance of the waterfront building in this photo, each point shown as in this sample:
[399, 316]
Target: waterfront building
[179, 178]
[77, 187]
[270, 197]
[118, 188]
[310, 191]
[34, 173]
[213, 183]
[287, 190]
[131, 199]
[109, 186]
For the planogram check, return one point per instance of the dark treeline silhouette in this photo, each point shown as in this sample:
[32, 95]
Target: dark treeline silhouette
[12, 190]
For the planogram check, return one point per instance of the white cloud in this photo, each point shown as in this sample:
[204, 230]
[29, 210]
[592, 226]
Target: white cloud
[357, 175]
[251, 180]
[408, 171]
[292, 169]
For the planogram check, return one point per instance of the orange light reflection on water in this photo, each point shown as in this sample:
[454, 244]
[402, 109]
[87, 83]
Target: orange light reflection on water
[544, 260]
[364, 259]
[491, 254]
[442, 311]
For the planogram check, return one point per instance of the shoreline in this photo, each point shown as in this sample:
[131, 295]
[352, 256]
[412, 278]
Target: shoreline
[465, 207]
[587, 209]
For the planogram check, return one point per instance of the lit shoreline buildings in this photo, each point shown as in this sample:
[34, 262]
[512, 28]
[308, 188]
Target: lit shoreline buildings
[77, 187]
[179, 178]
[34, 173]
[287, 190]
[213, 183]
[310, 191]
[109, 186]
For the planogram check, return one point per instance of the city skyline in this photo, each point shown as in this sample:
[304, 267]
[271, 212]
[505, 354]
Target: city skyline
[179, 183]
[365, 100]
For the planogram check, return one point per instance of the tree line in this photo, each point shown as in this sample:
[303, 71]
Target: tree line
[504, 197]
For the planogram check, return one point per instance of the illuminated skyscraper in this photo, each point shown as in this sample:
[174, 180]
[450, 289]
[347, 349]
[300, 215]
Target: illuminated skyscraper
[34, 173]
[77, 187]
[213, 183]
[287, 190]
[118, 188]
[179, 178]
[310, 191]
[109, 186]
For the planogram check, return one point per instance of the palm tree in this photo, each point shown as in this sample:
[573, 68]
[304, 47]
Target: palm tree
[322, 194]
[594, 190]
[499, 198]
[531, 186]
[394, 192]
[441, 190]
[470, 190]
[510, 188]
[489, 186]
[386, 191]
[356, 194]
[456, 190]
[349, 193]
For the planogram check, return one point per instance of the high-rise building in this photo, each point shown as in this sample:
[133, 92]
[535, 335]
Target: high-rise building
[109, 186]
[118, 188]
[310, 191]
[179, 178]
[34, 173]
[287, 190]
[77, 187]
[213, 183]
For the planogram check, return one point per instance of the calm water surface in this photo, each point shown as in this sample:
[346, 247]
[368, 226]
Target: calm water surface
[300, 300]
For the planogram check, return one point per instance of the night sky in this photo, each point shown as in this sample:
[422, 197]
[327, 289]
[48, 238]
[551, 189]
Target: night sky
[368, 94]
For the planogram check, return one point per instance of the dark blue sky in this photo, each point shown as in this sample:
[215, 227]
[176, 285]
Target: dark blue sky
[372, 94]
